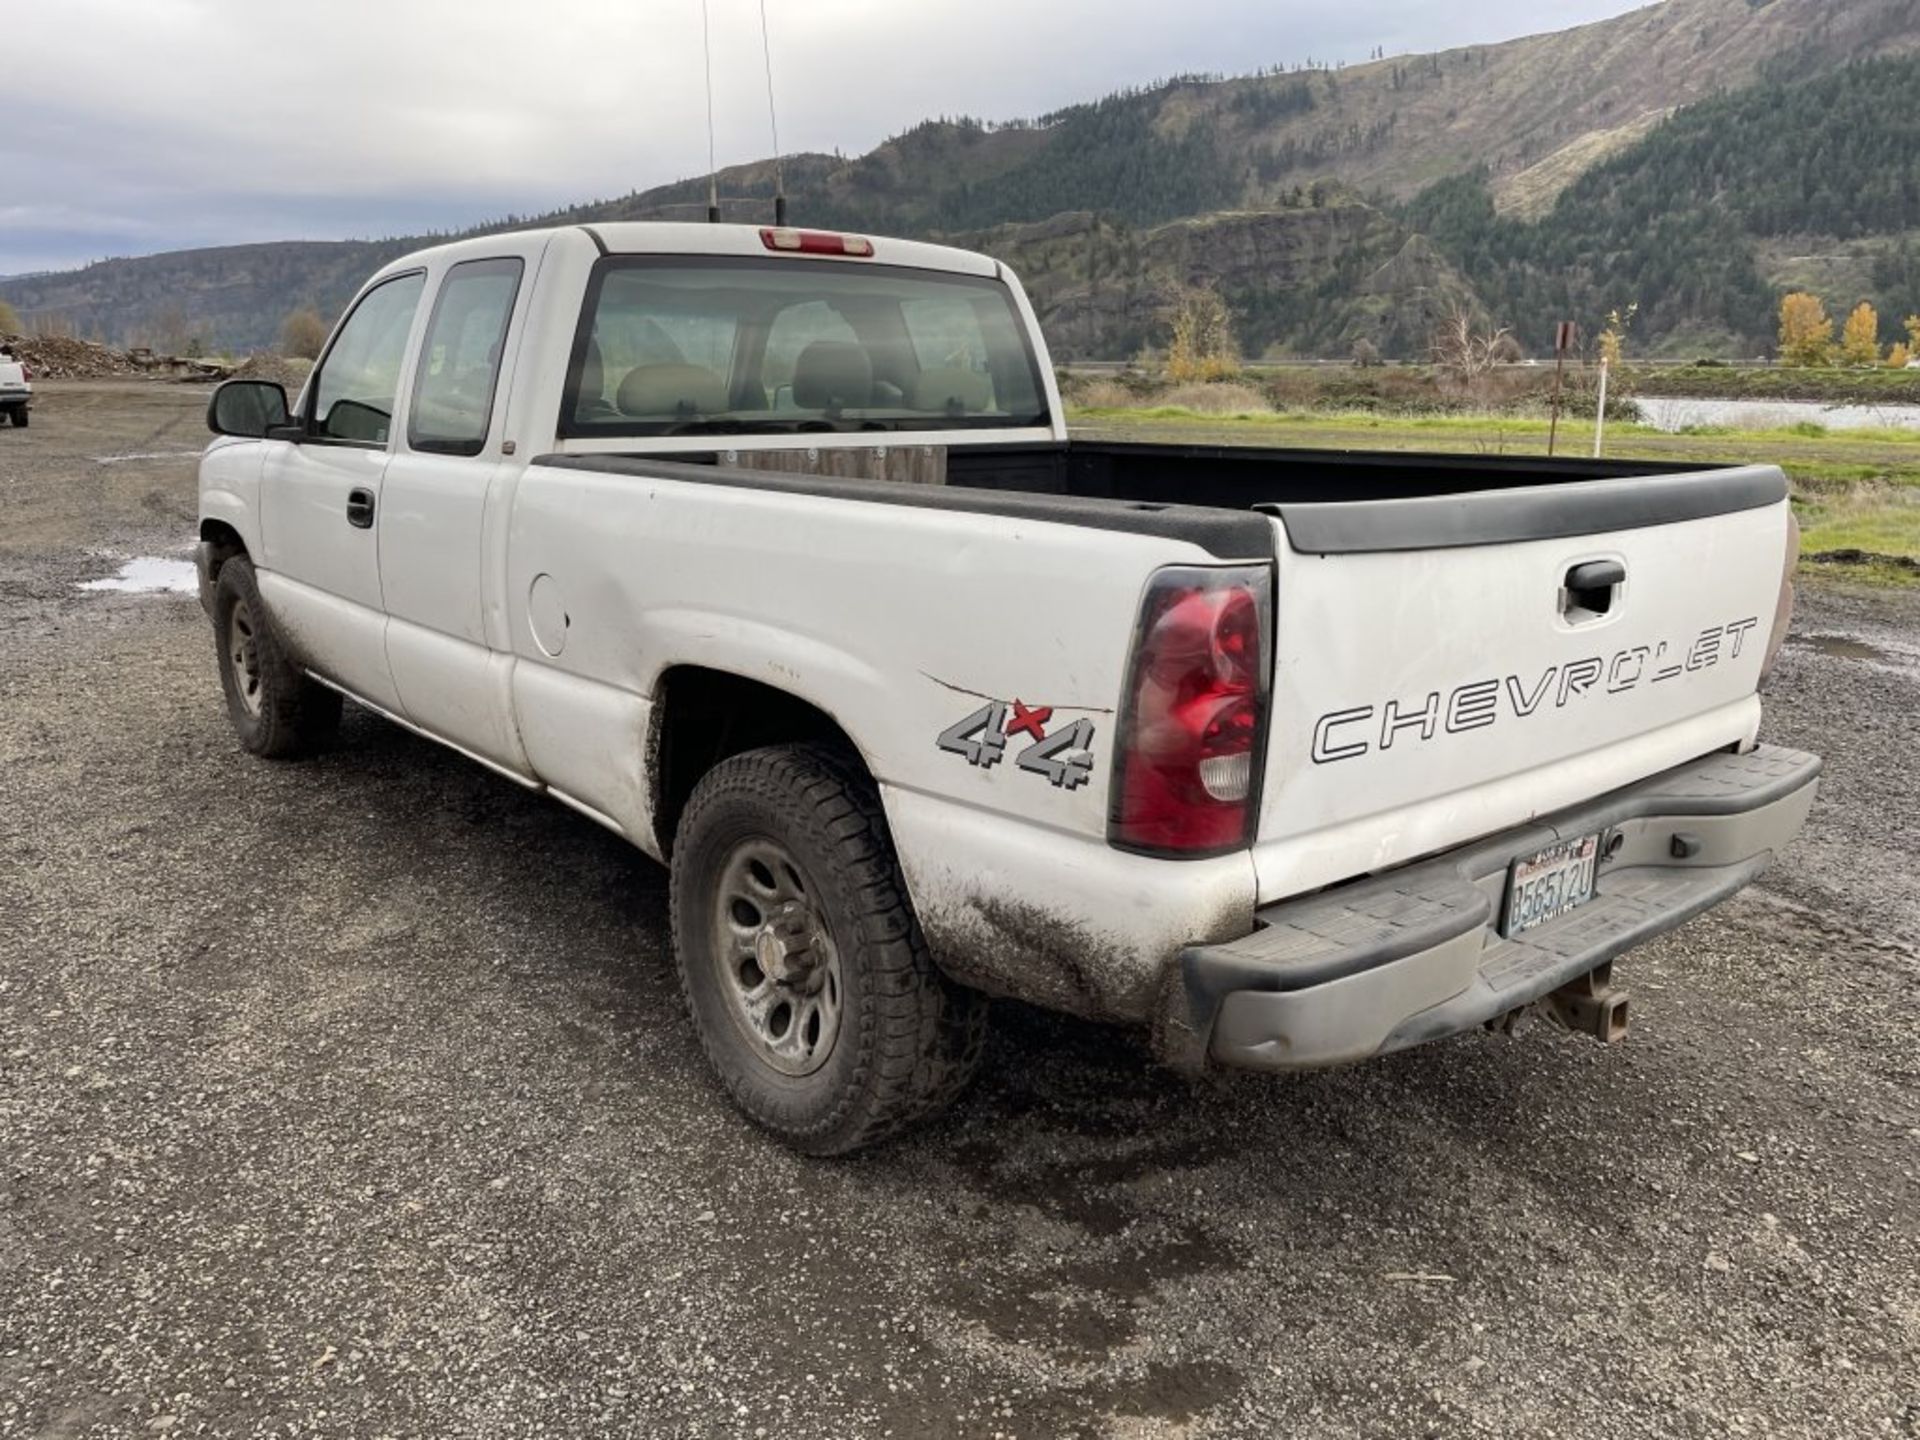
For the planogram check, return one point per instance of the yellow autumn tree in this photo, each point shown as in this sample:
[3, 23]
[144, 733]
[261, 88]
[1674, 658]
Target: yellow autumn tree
[1860, 341]
[9, 319]
[1806, 330]
[1913, 333]
[1203, 346]
[1899, 355]
[1613, 339]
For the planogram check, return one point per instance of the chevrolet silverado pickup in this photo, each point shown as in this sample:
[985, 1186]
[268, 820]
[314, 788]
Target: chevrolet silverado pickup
[769, 550]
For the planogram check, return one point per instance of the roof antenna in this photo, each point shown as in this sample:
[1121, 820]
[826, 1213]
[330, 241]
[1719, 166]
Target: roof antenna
[713, 168]
[773, 121]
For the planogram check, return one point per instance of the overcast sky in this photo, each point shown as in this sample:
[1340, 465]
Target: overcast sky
[131, 126]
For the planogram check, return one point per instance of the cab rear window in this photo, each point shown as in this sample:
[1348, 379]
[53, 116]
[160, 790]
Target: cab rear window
[743, 346]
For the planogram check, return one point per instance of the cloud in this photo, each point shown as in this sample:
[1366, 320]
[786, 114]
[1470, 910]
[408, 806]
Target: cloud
[140, 125]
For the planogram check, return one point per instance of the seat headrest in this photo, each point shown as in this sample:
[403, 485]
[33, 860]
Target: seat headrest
[966, 392]
[833, 375]
[656, 390]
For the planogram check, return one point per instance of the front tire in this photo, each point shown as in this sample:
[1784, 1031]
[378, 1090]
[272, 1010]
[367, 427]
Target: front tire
[802, 964]
[277, 712]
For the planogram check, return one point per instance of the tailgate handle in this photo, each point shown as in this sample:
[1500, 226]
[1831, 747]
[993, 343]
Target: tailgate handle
[1590, 589]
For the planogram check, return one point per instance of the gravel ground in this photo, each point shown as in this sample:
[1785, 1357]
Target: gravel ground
[354, 1098]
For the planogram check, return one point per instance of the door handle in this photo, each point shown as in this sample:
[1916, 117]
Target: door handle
[1590, 589]
[360, 509]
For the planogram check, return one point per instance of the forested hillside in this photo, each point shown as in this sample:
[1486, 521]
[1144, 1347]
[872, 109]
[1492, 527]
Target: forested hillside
[1671, 223]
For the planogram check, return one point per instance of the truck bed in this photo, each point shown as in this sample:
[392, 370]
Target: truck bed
[1330, 501]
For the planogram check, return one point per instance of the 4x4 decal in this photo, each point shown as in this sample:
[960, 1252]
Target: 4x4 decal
[1065, 757]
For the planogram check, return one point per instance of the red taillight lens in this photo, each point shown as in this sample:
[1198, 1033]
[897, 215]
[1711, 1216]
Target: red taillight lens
[25, 373]
[1186, 770]
[815, 242]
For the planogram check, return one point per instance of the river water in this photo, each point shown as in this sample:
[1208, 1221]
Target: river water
[1673, 414]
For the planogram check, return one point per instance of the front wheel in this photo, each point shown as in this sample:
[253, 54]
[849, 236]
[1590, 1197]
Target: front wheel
[802, 964]
[277, 712]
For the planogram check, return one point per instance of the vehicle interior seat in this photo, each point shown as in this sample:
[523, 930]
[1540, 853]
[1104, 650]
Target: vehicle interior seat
[656, 390]
[833, 375]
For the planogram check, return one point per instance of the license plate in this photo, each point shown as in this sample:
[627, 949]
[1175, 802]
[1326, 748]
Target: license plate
[1546, 886]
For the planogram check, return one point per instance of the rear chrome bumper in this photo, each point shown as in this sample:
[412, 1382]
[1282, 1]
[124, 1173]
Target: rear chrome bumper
[1415, 955]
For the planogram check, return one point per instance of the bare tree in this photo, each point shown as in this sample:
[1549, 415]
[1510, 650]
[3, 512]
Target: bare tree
[1464, 350]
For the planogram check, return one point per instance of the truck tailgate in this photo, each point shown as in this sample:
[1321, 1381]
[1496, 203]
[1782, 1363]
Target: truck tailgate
[1426, 696]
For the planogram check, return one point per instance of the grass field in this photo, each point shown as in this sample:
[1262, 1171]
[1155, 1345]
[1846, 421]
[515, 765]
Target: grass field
[1856, 490]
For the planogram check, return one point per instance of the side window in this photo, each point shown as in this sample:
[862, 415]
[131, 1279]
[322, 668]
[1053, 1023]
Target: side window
[459, 366]
[355, 390]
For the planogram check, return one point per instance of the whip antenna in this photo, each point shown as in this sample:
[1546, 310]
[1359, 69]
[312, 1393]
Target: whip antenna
[773, 123]
[713, 167]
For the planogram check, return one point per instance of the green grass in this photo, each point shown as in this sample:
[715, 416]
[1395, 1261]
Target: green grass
[1853, 489]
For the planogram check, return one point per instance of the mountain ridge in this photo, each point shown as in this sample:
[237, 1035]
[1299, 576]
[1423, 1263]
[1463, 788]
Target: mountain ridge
[1532, 115]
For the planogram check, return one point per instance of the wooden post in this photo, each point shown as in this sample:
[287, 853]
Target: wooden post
[1562, 342]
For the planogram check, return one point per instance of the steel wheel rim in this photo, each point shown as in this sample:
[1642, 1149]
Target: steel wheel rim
[243, 651]
[775, 959]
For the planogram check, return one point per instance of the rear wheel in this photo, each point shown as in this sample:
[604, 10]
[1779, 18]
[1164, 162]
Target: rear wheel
[277, 712]
[802, 964]
[20, 413]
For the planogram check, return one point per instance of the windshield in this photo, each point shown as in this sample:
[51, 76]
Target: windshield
[686, 346]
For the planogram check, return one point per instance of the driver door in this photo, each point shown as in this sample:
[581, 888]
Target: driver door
[320, 497]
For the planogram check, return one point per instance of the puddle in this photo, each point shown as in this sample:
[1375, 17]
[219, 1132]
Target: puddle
[151, 575]
[1841, 647]
[1893, 655]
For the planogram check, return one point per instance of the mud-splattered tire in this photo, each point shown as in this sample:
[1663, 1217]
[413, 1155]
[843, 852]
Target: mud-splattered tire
[277, 712]
[904, 1040]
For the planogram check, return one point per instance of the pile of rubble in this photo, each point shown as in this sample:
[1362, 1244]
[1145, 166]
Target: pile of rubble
[59, 357]
[54, 357]
[290, 373]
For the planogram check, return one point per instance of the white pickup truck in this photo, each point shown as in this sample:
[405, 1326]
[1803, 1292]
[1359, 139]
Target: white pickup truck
[16, 388]
[769, 551]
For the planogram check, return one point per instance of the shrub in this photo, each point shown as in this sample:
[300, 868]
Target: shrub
[1101, 395]
[302, 334]
[1217, 399]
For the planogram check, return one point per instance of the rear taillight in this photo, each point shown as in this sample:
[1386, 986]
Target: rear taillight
[1186, 771]
[25, 373]
[816, 242]
[1783, 612]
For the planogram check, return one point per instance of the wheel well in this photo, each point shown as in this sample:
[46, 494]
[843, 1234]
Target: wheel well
[706, 716]
[225, 542]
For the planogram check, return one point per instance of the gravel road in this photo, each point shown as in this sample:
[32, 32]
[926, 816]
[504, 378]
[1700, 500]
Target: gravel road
[354, 1098]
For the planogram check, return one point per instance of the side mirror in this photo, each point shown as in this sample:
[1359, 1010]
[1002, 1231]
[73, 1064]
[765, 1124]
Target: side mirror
[247, 408]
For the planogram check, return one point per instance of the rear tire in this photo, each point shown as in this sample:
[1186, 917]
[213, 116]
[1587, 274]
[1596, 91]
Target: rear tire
[788, 900]
[20, 413]
[277, 712]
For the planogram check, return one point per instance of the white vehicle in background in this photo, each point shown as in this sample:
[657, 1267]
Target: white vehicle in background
[16, 389]
[769, 551]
